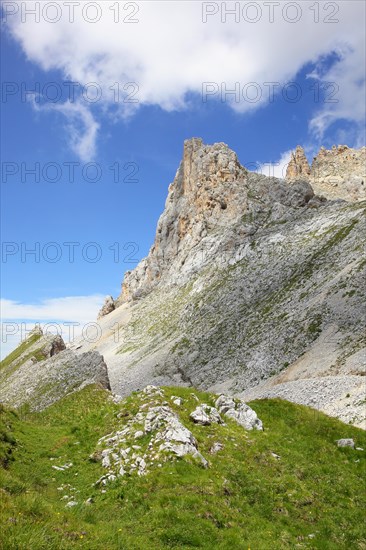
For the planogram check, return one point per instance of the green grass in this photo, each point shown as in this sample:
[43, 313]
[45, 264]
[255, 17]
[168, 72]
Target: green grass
[246, 498]
[22, 348]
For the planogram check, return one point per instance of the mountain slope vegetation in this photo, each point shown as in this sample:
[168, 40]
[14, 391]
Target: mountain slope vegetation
[284, 487]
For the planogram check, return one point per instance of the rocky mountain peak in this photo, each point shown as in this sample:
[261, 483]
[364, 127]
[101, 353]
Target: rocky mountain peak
[205, 192]
[298, 167]
[211, 193]
[336, 173]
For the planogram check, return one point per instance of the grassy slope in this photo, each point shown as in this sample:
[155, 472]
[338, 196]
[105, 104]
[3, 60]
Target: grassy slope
[19, 356]
[247, 498]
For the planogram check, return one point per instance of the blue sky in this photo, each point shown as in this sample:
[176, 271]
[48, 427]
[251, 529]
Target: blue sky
[147, 137]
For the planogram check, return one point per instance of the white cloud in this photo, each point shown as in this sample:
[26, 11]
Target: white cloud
[345, 96]
[170, 52]
[66, 316]
[82, 128]
[76, 308]
[276, 169]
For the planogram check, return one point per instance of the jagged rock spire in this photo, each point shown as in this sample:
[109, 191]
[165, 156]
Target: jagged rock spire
[211, 193]
[336, 173]
[298, 167]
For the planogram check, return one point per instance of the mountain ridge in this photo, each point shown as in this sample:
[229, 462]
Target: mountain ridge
[253, 284]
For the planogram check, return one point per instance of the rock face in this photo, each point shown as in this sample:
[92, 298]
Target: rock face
[298, 167]
[54, 345]
[107, 307]
[211, 191]
[48, 381]
[253, 286]
[339, 173]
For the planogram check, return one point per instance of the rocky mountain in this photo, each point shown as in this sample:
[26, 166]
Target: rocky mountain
[253, 287]
[41, 371]
[167, 432]
[336, 173]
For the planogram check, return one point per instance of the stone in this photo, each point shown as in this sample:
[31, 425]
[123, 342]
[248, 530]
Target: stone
[216, 447]
[177, 400]
[106, 462]
[337, 173]
[239, 411]
[205, 415]
[224, 403]
[346, 443]
[107, 307]
[298, 167]
[275, 455]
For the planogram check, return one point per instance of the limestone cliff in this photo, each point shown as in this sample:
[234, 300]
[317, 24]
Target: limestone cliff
[298, 166]
[250, 281]
[40, 371]
[211, 190]
[254, 286]
[338, 173]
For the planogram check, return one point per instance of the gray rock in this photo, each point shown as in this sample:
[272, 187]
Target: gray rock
[177, 400]
[71, 504]
[107, 307]
[225, 403]
[53, 378]
[240, 412]
[205, 415]
[346, 443]
[216, 447]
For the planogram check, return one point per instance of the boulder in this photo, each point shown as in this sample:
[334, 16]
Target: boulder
[240, 412]
[108, 307]
[346, 443]
[205, 415]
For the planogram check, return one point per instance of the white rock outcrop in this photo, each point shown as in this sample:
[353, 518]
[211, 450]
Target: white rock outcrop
[162, 436]
[205, 415]
[240, 412]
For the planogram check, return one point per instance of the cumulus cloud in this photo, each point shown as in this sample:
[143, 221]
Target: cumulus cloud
[276, 169]
[156, 52]
[345, 96]
[66, 316]
[76, 308]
